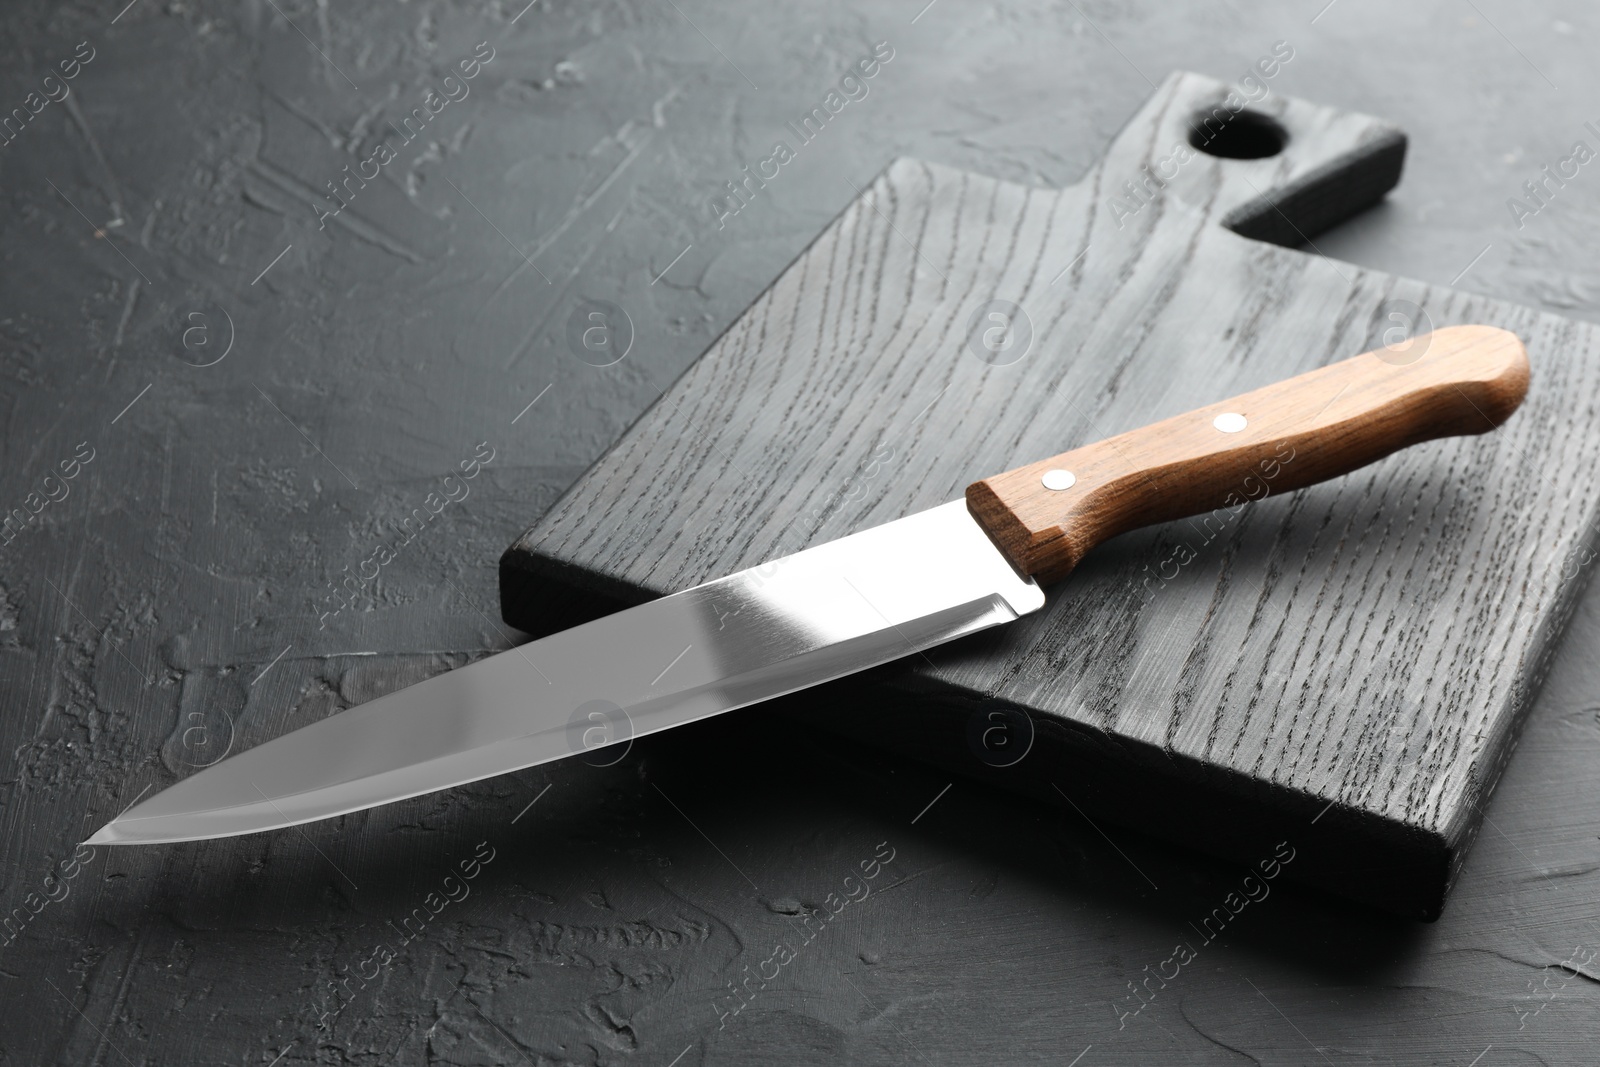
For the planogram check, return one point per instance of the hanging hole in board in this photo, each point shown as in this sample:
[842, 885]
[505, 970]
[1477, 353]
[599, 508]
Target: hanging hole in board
[1242, 135]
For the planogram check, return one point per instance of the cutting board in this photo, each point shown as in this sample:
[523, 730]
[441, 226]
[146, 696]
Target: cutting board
[1342, 668]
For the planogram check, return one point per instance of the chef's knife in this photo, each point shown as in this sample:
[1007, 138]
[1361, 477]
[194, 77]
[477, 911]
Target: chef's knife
[847, 605]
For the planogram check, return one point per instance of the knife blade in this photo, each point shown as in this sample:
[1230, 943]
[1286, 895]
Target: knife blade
[841, 607]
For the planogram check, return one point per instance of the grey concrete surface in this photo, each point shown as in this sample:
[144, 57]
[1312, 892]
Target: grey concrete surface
[171, 604]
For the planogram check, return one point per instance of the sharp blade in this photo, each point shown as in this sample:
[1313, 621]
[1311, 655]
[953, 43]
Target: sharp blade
[798, 621]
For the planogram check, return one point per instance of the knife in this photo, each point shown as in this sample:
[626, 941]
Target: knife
[841, 607]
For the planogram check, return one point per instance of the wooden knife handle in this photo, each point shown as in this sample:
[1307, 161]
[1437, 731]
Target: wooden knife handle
[1459, 380]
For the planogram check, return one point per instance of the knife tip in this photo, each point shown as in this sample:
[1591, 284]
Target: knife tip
[106, 835]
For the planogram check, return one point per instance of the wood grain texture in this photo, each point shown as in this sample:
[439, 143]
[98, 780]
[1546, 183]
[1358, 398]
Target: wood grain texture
[1218, 458]
[1361, 653]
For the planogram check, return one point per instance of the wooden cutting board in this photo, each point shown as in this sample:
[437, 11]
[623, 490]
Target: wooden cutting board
[1343, 668]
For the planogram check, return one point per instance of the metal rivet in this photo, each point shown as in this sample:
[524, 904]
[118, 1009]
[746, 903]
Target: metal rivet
[1058, 479]
[1229, 422]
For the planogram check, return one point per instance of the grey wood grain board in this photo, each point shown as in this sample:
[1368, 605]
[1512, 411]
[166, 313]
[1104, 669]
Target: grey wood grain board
[1359, 654]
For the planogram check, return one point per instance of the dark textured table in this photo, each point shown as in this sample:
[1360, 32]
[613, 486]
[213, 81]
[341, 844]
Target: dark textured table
[224, 390]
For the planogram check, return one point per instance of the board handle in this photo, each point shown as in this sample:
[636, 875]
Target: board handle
[1327, 422]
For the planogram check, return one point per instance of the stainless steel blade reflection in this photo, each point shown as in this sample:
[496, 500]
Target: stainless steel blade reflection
[795, 622]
